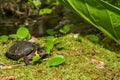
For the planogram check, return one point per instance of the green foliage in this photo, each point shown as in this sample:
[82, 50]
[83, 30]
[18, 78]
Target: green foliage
[114, 2]
[59, 46]
[51, 32]
[35, 3]
[93, 38]
[79, 38]
[22, 33]
[14, 36]
[65, 29]
[49, 44]
[45, 11]
[4, 38]
[99, 13]
[35, 58]
[56, 60]
[48, 1]
[118, 55]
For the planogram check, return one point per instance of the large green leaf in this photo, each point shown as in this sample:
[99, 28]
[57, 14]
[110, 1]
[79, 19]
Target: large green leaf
[99, 13]
[23, 33]
[56, 60]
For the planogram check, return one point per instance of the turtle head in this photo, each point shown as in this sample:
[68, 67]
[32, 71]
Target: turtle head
[41, 52]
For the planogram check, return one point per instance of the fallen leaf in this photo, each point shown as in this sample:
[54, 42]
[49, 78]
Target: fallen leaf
[33, 39]
[8, 77]
[99, 64]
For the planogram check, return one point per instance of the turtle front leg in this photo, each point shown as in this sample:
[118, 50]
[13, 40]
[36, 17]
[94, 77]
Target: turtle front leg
[26, 60]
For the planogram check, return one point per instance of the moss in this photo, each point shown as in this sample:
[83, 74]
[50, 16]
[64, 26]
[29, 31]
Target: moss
[76, 67]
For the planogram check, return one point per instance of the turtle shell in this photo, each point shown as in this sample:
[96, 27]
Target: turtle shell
[21, 49]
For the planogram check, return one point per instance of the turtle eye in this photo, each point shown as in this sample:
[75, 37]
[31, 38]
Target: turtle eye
[41, 51]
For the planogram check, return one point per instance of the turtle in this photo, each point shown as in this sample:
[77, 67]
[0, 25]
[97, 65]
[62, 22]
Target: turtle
[25, 51]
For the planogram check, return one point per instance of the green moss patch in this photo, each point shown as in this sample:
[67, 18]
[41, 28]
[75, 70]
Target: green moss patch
[76, 66]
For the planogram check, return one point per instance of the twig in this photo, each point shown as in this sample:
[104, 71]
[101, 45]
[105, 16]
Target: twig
[12, 66]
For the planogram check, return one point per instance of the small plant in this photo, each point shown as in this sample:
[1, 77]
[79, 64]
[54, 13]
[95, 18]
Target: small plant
[79, 38]
[35, 58]
[45, 11]
[49, 44]
[22, 33]
[35, 3]
[51, 32]
[118, 55]
[93, 38]
[65, 29]
[59, 46]
[4, 38]
[56, 60]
